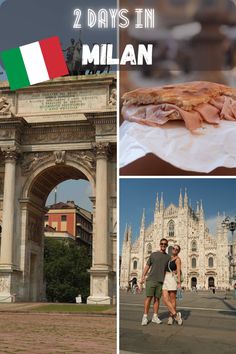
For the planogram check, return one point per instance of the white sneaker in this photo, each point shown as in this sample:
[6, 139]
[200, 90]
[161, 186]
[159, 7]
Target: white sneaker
[170, 320]
[156, 319]
[178, 319]
[144, 320]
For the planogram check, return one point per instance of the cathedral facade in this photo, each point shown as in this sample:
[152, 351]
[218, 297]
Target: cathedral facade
[205, 258]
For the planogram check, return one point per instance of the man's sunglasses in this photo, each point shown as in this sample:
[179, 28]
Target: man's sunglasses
[164, 244]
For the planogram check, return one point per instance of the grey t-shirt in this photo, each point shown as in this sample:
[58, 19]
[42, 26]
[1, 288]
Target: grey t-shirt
[158, 262]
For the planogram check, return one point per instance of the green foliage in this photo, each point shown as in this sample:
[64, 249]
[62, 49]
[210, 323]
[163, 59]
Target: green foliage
[66, 271]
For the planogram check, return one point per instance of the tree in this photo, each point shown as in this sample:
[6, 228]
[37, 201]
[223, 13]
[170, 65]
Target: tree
[66, 271]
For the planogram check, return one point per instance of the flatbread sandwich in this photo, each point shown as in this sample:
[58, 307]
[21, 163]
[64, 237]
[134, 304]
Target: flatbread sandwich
[194, 103]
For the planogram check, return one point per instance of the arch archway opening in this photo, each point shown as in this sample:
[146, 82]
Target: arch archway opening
[211, 282]
[49, 178]
[193, 282]
[64, 221]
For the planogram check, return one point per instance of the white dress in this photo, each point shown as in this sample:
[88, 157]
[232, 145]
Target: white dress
[170, 282]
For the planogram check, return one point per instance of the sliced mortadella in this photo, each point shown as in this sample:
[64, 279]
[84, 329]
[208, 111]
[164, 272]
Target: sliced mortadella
[220, 107]
[218, 102]
[148, 115]
[157, 114]
[228, 111]
[209, 113]
[131, 111]
[193, 119]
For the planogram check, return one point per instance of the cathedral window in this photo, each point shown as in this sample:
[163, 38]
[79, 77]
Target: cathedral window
[210, 262]
[194, 246]
[171, 229]
[194, 263]
[135, 264]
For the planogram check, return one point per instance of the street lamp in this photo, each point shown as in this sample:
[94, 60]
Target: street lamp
[231, 226]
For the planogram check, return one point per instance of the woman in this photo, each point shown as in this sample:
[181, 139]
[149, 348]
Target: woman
[172, 283]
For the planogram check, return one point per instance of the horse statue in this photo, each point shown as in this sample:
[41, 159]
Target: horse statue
[69, 57]
[74, 61]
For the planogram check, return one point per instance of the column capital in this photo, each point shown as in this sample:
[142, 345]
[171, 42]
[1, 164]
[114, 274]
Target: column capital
[10, 153]
[102, 150]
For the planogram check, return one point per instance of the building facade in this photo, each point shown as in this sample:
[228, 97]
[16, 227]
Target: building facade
[59, 130]
[205, 258]
[71, 219]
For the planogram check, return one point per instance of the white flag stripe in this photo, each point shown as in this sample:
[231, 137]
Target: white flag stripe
[34, 63]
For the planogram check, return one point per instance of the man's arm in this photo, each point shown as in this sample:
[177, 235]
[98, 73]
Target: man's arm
[146, 269]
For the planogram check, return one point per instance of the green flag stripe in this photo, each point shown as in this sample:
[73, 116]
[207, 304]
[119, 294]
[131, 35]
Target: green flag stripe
[15, 68]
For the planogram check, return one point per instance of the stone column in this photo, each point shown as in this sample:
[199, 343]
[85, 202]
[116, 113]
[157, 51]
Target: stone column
[101, 252]
[10, 155]
[101, 270]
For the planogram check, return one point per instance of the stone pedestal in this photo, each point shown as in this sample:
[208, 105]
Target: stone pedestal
[101, 283]
[9, 285]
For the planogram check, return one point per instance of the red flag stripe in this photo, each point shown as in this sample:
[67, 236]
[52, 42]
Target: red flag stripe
[53, 57]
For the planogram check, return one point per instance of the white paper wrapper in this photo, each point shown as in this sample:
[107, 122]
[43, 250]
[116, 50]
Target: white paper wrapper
[211, 148]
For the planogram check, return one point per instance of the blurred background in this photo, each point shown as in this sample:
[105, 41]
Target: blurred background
[193, 40]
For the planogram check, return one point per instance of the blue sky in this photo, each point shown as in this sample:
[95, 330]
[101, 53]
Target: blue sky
[78, 191]
[136, 194]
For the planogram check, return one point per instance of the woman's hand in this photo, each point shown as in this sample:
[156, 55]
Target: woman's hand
[179, 285]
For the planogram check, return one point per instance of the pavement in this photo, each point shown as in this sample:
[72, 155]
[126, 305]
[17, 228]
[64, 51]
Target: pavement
[209, 326]
[22, 331]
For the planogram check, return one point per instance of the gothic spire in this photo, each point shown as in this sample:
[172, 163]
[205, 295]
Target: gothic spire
[201, 210]
[218, 224]
[143, 220]
[157, 204]
[126, 235]
[161, 203]
[197, 210]
[180, 199]
[185, 198]
[130, 233]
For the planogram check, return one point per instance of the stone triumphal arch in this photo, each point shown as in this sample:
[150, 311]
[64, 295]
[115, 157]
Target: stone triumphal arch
[51, 132]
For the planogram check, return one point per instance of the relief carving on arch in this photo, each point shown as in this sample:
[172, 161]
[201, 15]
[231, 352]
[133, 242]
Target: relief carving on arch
[5, 107]
[84, 158]
[113, 97]
[32, 160]
[59, 157]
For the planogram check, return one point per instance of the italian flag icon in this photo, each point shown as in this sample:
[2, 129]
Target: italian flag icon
[34, 63]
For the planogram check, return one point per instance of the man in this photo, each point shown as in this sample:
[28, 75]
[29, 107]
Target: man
[157, 264]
